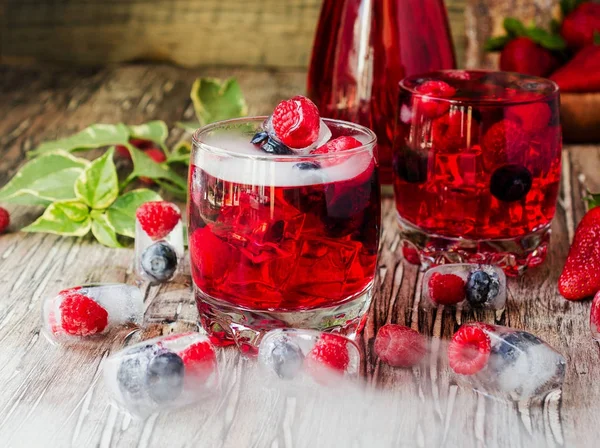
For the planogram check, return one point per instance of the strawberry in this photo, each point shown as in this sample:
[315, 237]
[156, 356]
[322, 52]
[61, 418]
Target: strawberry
[582, 73]
[199, 360]
[338, 144]
[446, 289]
[453, 132]
[469, 350]
[399, 346]
[532, 117]
[579, 25]
[429, 103]
[595, 315]
[329, 354]
[82, 316]
[296, 122]
[158, 156]
[158, 218]
[504, 142]
[411, 254]
[580, 277]
[523, 55]
[4, 219]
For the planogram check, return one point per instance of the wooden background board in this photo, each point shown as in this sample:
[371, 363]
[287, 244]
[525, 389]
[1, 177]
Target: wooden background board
[55, 397]
[254, 33]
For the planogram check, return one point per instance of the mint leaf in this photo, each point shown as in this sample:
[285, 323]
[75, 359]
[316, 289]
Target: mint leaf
[180, 153]
[98, 185]
[41, 181]
[63, 218]
[103, 230]
[496, 43]
[94, 136]
[188, 126]
[514, 27]
[121, 214]
[144, 166]
[157, 131]
[216, 100]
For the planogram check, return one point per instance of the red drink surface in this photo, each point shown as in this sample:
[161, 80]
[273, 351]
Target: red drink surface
[283, 248]
[362, 49]
[483, 164]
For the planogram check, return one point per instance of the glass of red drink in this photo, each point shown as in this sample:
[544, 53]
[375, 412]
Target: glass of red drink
[477, 162]
[281, 240]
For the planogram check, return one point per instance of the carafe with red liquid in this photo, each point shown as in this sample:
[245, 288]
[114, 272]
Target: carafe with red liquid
[363, 48]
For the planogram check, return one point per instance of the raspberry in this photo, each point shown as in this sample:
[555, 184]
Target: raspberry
[453, 132]
[69, 291]
[199, 360]
[158, 218]
[81, 316]
[429, 103]
[157, 156]
[399, 346]
[446, 289]
[469, 350]
[533, 117]
[210, 253]
[4, 219]
[123, 152]
[505, 142]
[411, 254]
[296, 122]
[337, 145]
[330, 353]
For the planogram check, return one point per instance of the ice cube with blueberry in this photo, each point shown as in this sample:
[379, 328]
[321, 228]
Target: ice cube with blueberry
[296, 354]
[162, 373]
[504, 362]
[81, 313]
[159, 245]
[464, 285]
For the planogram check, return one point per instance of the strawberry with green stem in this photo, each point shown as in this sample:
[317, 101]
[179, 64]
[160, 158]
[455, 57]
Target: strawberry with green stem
[581, 22]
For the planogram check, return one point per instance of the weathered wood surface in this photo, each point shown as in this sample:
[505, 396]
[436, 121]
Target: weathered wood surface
[257, 33]
[55, 397]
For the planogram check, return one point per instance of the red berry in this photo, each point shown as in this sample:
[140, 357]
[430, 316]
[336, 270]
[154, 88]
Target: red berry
[505, 142]
[579, 26]
[199, 360]
[446, 289]
[4, 219]
[123, 152]
[337, 145]
[453, 132]
[158, 218]
[595, 314]
[211, 257]
[81, 316]
[296, 122]
[523, 55]
[582, 73]
[429, 104]
[533, 117]
[399, 346]
[411, 254]
[68, 291]
[469, 350]
[330, 352]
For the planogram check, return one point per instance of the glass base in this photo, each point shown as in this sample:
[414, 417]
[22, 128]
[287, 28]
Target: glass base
[513, 255]
[227, 324]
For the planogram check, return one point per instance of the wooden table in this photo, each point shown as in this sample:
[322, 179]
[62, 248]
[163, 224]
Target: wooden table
[55, 397]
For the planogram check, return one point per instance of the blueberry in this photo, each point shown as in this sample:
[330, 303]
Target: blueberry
[259, 137]
[164, 377]
[269, 144]
[511, 182]
[131, 375]
[159, 261]
[307, 166]
[411, 166]
[510, 347]
[287, 358]
[482, 287]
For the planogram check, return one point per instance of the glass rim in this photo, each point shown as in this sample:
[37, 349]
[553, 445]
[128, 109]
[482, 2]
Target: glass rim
[198, 143]
[483, 101]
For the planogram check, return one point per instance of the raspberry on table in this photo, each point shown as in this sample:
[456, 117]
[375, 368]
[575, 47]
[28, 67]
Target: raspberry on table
[158, 218]
[469, 350]
[82, 316]
[199, 360]
[400, 346]
[296, 122]
[446, 289]
[330, 351]
[4, 219]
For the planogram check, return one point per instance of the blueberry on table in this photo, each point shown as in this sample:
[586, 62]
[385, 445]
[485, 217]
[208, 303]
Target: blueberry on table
[506, 352]
[131, 375]
[159, 261]
[286, 358]
[511, 182]
[482, 287]
[164, 377]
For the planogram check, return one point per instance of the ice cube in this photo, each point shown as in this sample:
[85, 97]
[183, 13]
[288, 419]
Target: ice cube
[83, 312]
[162, 373]
[517, 365]
[483, 286]
[294, 354]
[324, 136]
[159, 245]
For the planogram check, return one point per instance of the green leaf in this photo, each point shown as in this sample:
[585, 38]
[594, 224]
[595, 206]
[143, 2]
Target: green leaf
[180, 153]
[554, 26]
[596, 37]
[593, 200]
[189, 126]
[41, 181]
[514, 27]
[63, 218]
[176, 191]
[144, 166]
[103, 230]
[157, 131]
[216, 100]
[496, 43]
[121, 214]
[98, 185]
[553, 42]
[94, 136]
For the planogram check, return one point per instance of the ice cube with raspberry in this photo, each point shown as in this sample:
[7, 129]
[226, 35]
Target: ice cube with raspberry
[298, 354]
[85, 313]
[504, 363]
[464, 286]
[162, 373]
[159, 245]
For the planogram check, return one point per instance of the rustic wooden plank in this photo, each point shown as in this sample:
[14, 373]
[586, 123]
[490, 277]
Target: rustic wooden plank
[55, 397]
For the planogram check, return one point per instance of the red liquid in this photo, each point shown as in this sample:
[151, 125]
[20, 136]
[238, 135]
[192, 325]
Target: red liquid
[456, 163]
[283, 248]
[363, 48]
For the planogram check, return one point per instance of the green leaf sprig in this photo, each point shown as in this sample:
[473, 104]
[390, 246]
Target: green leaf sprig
[515, 28]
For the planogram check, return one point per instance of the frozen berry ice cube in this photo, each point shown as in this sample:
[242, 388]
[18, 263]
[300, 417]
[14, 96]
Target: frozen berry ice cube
[162, 373]
[84, 312]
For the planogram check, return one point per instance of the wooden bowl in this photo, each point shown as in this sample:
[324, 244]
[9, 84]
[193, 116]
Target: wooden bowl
[580, 117]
